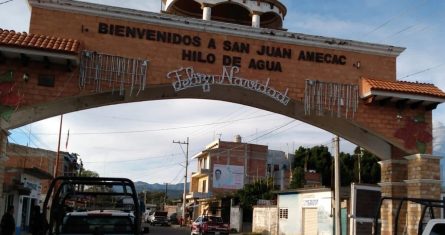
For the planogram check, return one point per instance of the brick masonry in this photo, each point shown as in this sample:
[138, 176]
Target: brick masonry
[417, 176]
[380, 120]
[166, 57]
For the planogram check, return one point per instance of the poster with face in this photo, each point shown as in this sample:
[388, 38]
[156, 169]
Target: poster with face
[228, 176]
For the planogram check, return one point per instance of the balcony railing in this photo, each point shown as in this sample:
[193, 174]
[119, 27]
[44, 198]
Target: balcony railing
[201, 172]
[198, 195]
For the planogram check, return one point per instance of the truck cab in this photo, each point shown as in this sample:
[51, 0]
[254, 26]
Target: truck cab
[93, 205]
[435, 227]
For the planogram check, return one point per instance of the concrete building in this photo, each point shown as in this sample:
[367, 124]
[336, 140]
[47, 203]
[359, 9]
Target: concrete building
[305, 212]
[223, 168]
[279, 164]
[28, 173]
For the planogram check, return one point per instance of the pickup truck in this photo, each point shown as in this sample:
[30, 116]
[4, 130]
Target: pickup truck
[434, 227]
[99, 222]
[92, 205]
[208, 224]
[158, 217]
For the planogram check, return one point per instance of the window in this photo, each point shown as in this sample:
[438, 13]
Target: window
[90, 223]
[438, 229]
[283, 213]
[204, 188]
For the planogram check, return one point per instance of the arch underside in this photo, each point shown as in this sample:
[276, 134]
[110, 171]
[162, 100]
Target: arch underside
[339, 126]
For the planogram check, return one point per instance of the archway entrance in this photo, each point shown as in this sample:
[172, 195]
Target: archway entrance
[111, 56]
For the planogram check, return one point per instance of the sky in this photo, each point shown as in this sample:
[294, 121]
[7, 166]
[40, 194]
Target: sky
[137, 140]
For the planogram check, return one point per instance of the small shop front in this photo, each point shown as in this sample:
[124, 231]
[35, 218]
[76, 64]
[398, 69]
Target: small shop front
[24, 193]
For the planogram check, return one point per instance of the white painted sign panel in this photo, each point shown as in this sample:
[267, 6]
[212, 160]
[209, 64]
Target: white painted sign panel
[228, 176]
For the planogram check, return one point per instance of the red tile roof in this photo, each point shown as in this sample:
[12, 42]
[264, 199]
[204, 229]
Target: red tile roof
[369, 85]
[10, 38]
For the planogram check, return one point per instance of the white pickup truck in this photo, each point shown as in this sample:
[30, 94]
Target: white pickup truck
[99, 222]
[435, 227]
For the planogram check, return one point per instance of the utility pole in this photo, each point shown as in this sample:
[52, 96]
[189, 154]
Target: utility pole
[165, 196]
[145, 197]
[337, 185]
[185, 176]
[56, 165]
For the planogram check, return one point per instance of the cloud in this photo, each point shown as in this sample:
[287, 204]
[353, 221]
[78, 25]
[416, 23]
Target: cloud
[15, 16]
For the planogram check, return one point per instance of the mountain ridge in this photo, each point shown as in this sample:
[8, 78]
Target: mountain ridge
[173, 190]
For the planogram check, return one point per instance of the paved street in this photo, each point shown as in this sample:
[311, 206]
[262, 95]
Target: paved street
[170, 230]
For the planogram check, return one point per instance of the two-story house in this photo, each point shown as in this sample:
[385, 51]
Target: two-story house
[224, 167]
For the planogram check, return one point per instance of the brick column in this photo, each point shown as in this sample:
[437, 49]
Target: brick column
[423, 181]
[393, 174]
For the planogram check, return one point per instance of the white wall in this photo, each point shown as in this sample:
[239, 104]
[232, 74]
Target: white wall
[291, 225]
[295, 203]
[236, 218]
[265, 220]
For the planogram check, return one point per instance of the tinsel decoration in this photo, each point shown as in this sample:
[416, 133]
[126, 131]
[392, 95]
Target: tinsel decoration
[321, 98]
[115, 72]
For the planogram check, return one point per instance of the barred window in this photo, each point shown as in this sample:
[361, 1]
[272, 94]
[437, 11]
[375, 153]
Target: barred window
[283, 213]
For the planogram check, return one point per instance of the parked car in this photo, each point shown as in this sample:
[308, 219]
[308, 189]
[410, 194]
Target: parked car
[146, 216]
[158, 217]
[99, 222]
[209, 224]
[173, 218]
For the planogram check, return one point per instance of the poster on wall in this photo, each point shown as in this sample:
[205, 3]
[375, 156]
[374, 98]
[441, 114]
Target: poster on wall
[228, 176]
[32, 183]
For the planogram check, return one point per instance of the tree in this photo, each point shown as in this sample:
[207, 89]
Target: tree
[298, 180]
[369, 167]
[153, 197]
[88, 173]
[251, 193]
[347, 169]
[319, 159]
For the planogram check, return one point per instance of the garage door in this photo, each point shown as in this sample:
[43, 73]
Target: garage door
[310, 221]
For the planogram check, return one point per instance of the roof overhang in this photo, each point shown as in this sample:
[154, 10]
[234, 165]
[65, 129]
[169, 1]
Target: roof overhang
[39, 55]
[399, 98]
[38, 173]
[204, 152]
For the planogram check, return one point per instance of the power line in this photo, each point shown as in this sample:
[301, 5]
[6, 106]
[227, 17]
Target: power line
[423, 71]
[155, 130]
[205, 130]
[138, 159]
[6, 2]
[273, 130]
[30, 134]
[403, 12]
[176, 177]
